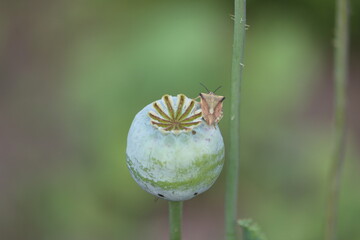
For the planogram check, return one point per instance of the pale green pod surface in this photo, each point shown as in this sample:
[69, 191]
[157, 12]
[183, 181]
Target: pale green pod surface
[171, 152]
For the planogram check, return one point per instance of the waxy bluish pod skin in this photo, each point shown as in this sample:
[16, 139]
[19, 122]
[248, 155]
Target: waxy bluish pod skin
[171, 152]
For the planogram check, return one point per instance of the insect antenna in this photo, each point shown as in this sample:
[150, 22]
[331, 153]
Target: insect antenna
[205, 87]
[217, 89]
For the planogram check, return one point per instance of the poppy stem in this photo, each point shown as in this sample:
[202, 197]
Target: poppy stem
[175, 216]
[232, 174]
[341, 55]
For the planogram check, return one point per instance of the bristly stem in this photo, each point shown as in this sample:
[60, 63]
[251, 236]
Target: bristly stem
[341, 55]
[232, 174]
[175, 216]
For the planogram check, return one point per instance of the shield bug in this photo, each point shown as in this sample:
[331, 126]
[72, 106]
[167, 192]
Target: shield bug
[211, 106]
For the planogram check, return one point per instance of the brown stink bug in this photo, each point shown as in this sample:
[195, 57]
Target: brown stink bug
[211, 106]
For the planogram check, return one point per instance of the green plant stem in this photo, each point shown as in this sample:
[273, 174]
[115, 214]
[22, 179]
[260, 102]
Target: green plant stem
[232, 174]
[175, 216]
[340, 74]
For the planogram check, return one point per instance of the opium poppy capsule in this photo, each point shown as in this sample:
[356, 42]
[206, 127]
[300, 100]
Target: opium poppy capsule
[171, 151]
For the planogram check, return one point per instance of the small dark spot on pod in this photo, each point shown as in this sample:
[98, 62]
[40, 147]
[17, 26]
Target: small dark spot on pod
[195, 194]
[160, 195]
[193, 132]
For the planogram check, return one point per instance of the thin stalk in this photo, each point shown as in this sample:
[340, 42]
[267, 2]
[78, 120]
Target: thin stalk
[232, 174]
[341, 51]
[175, 216]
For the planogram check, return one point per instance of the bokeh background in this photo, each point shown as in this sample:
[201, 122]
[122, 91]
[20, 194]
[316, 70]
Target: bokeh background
[73, 74]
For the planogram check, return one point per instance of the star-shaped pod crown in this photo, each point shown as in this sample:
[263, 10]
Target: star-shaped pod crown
[175, 117]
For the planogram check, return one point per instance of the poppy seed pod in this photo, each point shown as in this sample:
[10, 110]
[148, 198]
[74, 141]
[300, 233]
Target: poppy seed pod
[171, 152]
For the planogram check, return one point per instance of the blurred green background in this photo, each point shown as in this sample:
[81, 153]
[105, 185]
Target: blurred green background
[73, 74]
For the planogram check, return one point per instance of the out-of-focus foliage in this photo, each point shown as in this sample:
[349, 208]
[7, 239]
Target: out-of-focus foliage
[74, 74]
[251, 230]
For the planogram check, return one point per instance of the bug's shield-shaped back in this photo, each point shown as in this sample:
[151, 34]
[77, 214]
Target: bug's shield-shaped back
[211, 106]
